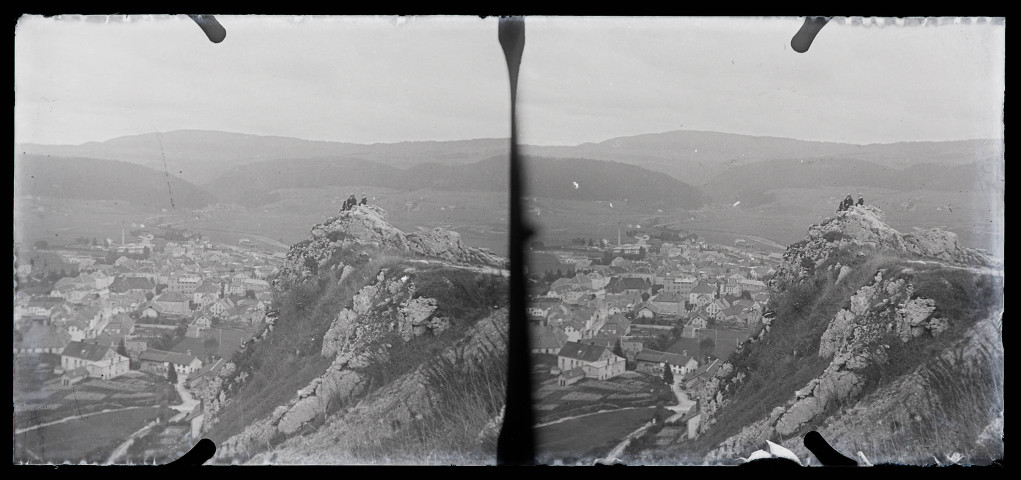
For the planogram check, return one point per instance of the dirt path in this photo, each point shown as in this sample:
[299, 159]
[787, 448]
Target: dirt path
[123, 447]
[188, 402]
[683, 405]
[68, 419]
[683, 402]
[585, 415]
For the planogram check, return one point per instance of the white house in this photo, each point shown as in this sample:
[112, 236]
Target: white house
[100, 361]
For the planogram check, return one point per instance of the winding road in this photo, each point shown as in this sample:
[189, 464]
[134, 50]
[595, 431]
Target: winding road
[683, 405]
[188, 403]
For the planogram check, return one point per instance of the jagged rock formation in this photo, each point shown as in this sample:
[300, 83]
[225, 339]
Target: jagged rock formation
[866, 397]
[863, 226]
[357, 341]
[378, 382]
[398, 407]
[367, 226]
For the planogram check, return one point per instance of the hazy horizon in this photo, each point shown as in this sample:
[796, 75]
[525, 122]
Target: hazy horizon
[368, 80]
[508, 138]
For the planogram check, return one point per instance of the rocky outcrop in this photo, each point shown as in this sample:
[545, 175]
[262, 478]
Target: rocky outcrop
[862, 229]
[404, 405]
[367, 226]
[932, 401]
[882, 318]
[383, 315]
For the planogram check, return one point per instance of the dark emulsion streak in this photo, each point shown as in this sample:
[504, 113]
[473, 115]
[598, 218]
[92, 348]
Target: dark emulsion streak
[516, 443]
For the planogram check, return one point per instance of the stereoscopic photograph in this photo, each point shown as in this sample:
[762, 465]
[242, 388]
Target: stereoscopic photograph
[535, 240]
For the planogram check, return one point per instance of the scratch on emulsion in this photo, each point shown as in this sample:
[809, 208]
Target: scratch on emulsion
[166, 171]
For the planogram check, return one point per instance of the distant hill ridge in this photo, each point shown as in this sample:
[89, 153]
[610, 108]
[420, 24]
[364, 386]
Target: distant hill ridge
[96, 179]
[549, 178]
[693, 157]
[752, 183]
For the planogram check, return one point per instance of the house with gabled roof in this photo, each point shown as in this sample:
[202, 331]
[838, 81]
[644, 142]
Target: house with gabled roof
[616, 325]
[647, 310]
[206, 290]
[629, 285]
[681, 284]
[700, 293]
[43, 306]
[546, 340]
[653, 362]
[570, 377]
[541, 306]
[669, 303]
[159, 361]
[753, 286]
[120, 324]
[100, 361]
[717, 305]
[173, 303]
[42, 338]
[702, 374]
[574, 329]
[598, 362]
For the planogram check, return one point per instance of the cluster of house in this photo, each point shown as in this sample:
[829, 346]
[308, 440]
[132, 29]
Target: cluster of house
[85, 318]
[700, 300]
[238, 298]
[81, 360]
[582, 318]
[592, 359]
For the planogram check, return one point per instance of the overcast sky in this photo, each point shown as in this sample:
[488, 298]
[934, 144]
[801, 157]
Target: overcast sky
[386, 79]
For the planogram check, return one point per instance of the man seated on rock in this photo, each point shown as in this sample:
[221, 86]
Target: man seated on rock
[861, 200]
[364, 200]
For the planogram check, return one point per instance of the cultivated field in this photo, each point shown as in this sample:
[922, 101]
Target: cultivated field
[91, 438]
[229, 341]
[40, 398]
[726, 342]
[553, 402]
[589, 436]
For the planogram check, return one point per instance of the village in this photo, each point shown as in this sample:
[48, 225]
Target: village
[127, 334]
[636, 325]
[137, 330]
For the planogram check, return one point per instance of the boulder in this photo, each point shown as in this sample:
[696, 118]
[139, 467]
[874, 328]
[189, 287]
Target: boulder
[346, 272]
[362, 301]
[836, 333]
[339, 332]
[844, 270]
[414, 316]
[861, 299]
